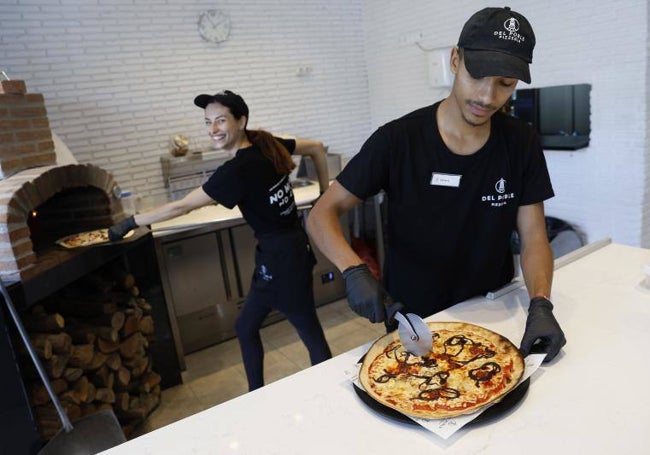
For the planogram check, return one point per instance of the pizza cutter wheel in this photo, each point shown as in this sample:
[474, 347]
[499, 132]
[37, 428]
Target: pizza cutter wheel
[414, 333]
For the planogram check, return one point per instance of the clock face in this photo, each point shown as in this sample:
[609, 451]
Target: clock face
[214, 26]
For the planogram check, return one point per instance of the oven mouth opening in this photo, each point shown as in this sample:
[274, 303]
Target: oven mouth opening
[67, 212]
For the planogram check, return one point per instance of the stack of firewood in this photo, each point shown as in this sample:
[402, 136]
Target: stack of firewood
[93, 339]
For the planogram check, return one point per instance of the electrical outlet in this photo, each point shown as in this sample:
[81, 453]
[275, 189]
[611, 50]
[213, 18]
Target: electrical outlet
[411, 37]
[440, 74]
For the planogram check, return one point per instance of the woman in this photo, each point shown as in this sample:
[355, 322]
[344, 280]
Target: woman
[257, 180]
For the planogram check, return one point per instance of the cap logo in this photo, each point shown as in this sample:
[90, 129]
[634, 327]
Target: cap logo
[511, 26]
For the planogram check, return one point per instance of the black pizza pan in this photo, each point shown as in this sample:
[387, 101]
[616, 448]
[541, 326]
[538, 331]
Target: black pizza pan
[508, 402]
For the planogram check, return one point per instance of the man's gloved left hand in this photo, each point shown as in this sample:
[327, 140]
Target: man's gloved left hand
[542, 328]
[119, 230]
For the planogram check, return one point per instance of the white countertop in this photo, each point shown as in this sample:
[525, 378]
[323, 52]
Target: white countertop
[592, 399]
[217, 213]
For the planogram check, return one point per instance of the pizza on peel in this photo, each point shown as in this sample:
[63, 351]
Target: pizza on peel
[468, 368]
[87, 238]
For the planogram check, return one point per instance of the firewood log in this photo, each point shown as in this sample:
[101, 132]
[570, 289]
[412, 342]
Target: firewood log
[144, 305]
[48, 421]
[149, 381]
[86, 333]
[72, 374]
[61, 342]
[98, 359]
[107, 346]
[146, 325]
[138, 365]
[78, 393]
[122, 400]
[114, 361]
[131, 325]
[38, 393]
[104, 377]
[131, 345]
[105, 395]
[81, 355]
[122, 378]
[114, 320]
[56, 365]
[92, 392]
[42, 346]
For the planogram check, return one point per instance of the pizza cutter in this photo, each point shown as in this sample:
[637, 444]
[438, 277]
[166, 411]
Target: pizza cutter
[413, 332]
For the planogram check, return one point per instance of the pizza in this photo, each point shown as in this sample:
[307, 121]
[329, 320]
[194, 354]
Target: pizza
[468, 368]
[87, 238]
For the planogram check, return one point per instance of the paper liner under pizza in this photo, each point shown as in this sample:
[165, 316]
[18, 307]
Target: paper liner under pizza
[468, 368]
[88, 238]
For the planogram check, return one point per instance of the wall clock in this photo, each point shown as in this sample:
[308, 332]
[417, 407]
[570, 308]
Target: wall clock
[214, 26]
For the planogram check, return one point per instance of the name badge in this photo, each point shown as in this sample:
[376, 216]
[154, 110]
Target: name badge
[452, 180]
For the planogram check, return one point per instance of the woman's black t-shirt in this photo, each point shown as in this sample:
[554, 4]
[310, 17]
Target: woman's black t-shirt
[250, 181]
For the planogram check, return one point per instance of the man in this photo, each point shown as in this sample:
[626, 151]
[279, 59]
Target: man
[459, 177]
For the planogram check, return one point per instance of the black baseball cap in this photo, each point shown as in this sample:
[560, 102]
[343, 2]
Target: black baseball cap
[231, 100]
[498, 42]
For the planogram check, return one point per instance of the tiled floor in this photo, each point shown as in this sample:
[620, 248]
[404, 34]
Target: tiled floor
[216, 374]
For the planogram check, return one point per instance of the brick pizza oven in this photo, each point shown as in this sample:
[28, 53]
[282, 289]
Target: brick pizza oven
[39, 200]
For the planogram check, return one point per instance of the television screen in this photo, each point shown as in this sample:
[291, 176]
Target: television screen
[559, 114]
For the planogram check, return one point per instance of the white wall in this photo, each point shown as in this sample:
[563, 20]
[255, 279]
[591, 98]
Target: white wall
[603, 189]
[119, 76]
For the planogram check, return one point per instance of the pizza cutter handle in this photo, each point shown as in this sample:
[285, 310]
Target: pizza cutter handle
[392, 308]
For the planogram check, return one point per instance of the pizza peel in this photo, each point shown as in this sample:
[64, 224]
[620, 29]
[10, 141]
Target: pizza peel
[97, 236]
[413, 332]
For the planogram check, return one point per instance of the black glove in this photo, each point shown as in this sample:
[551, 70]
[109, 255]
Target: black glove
[119, 230]
[542, 326]
[366, 296]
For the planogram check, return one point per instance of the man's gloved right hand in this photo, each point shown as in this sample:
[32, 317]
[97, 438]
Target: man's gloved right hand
[366, 296]
[119, 230]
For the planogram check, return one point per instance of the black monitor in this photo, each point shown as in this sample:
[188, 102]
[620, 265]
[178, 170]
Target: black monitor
[560, 114]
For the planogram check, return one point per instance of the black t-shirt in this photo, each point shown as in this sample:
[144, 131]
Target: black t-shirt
[250, 181]
[450, 217]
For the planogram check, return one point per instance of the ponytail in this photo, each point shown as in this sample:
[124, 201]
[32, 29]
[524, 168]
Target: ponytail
[273, 150]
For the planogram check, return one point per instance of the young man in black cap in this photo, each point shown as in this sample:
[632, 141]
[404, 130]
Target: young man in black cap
[459, 177]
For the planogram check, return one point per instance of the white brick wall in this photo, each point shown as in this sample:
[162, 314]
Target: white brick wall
[119, 76]
[602, 190]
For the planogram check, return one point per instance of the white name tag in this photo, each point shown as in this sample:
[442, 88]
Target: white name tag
[439, 179]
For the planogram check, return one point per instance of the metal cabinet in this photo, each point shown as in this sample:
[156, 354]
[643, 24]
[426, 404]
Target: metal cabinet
[200, 280]
[206, 275]
[328, 282]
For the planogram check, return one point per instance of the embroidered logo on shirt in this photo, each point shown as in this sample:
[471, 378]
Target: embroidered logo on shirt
[501, 197]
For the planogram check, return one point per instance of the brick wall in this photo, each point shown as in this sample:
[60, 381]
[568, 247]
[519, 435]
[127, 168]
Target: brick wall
[25, 136]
